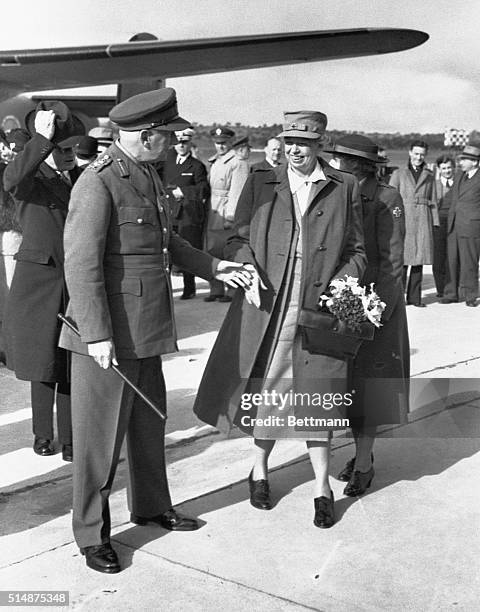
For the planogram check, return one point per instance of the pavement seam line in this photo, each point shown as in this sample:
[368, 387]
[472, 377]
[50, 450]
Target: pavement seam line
[446, 367]
[222, 578]
[39, 554]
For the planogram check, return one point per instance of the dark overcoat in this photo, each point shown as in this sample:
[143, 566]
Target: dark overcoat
[38, 292]
[192, 210]
[264, 230]
[421, 214]
[382, 366]
[464, 213]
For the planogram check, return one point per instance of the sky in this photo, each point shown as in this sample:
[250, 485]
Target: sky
[426, 89]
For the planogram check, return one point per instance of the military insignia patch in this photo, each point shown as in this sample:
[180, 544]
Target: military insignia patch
[397, 212]
[99, 163]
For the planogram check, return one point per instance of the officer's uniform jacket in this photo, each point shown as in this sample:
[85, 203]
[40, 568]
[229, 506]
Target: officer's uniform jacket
[118, 246]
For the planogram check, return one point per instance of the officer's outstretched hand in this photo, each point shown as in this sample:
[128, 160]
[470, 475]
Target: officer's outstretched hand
[234, 274]
[103, 352]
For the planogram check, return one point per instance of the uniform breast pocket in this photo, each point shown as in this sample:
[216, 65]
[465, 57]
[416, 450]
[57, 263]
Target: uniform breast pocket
[139, 230]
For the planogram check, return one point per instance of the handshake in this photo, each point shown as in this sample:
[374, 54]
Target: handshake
[244, 276]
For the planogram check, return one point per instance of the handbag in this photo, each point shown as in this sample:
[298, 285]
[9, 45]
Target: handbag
[323, 334]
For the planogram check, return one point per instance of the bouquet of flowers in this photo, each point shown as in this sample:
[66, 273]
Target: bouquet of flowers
[353, 304]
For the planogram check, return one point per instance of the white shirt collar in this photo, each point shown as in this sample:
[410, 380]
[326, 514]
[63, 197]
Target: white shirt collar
[298, 181]
[471, 172]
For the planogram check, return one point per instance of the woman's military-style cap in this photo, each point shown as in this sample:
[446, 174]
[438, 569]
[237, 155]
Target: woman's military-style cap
[304, 124]
[152, 109]
[221, 134]
[356, 145]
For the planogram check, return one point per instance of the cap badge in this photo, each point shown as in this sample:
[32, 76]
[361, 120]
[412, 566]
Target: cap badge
[218, 131]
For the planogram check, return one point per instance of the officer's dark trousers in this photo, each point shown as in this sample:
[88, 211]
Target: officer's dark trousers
[104, 410]
[451, 290]
[413, 287]
[44, 395]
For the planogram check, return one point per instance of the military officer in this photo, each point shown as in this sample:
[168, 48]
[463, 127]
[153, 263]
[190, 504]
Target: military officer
[118, 245]
[227, 177]
[185, 179]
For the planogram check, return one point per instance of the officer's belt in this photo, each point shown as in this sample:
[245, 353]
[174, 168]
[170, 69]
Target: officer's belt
[156, 260]
[220, 192]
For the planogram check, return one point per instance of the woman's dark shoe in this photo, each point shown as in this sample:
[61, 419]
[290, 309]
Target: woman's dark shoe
[67, 452]
[101, 558]
[324, 517]
[43, 447]
[347, 471]
[359, 482]
[259, 493]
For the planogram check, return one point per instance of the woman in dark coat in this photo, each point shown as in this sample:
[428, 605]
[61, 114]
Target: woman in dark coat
[299, 227]
[40, 180]
[382, 366]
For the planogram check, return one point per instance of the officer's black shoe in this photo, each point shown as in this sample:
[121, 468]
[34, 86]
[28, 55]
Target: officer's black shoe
[211, 298]
[171, 520]
[67, 452]
[472, 303]
[224, 298]
[101, 558]
[446, 300]
[43, 447]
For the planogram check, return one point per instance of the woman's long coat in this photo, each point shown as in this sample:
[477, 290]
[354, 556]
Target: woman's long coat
[382, 367]
[421, 214]
[37, 293]
[265, 225]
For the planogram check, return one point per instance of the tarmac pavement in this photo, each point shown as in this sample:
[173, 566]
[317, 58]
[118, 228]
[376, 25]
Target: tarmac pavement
[411, 543]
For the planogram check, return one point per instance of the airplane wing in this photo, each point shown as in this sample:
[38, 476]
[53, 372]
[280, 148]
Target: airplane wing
[42, 69]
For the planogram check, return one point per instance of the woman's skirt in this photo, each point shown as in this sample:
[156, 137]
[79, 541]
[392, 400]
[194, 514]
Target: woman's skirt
[292, 397]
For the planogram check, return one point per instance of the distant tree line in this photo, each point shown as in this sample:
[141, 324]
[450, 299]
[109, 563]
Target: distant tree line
[259, 134]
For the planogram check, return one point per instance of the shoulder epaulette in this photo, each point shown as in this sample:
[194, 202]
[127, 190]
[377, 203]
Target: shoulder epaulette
[100, 163]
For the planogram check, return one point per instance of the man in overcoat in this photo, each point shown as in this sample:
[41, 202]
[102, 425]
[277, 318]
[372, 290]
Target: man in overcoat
[416, 184]
[40, 179]
[227, 177]
[273, 154]
[464, 229]
[300, 226]
[186, 182]
[118, 247]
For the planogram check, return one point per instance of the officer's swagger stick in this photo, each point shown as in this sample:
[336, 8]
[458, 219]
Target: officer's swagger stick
[115, 368]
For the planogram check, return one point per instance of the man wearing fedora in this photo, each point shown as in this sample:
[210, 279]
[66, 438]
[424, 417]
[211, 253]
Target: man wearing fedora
[464, 229]
[118, 250]
[227, 177]
[186, 182]
[40, 178]
[300, 226]
[382, 366]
